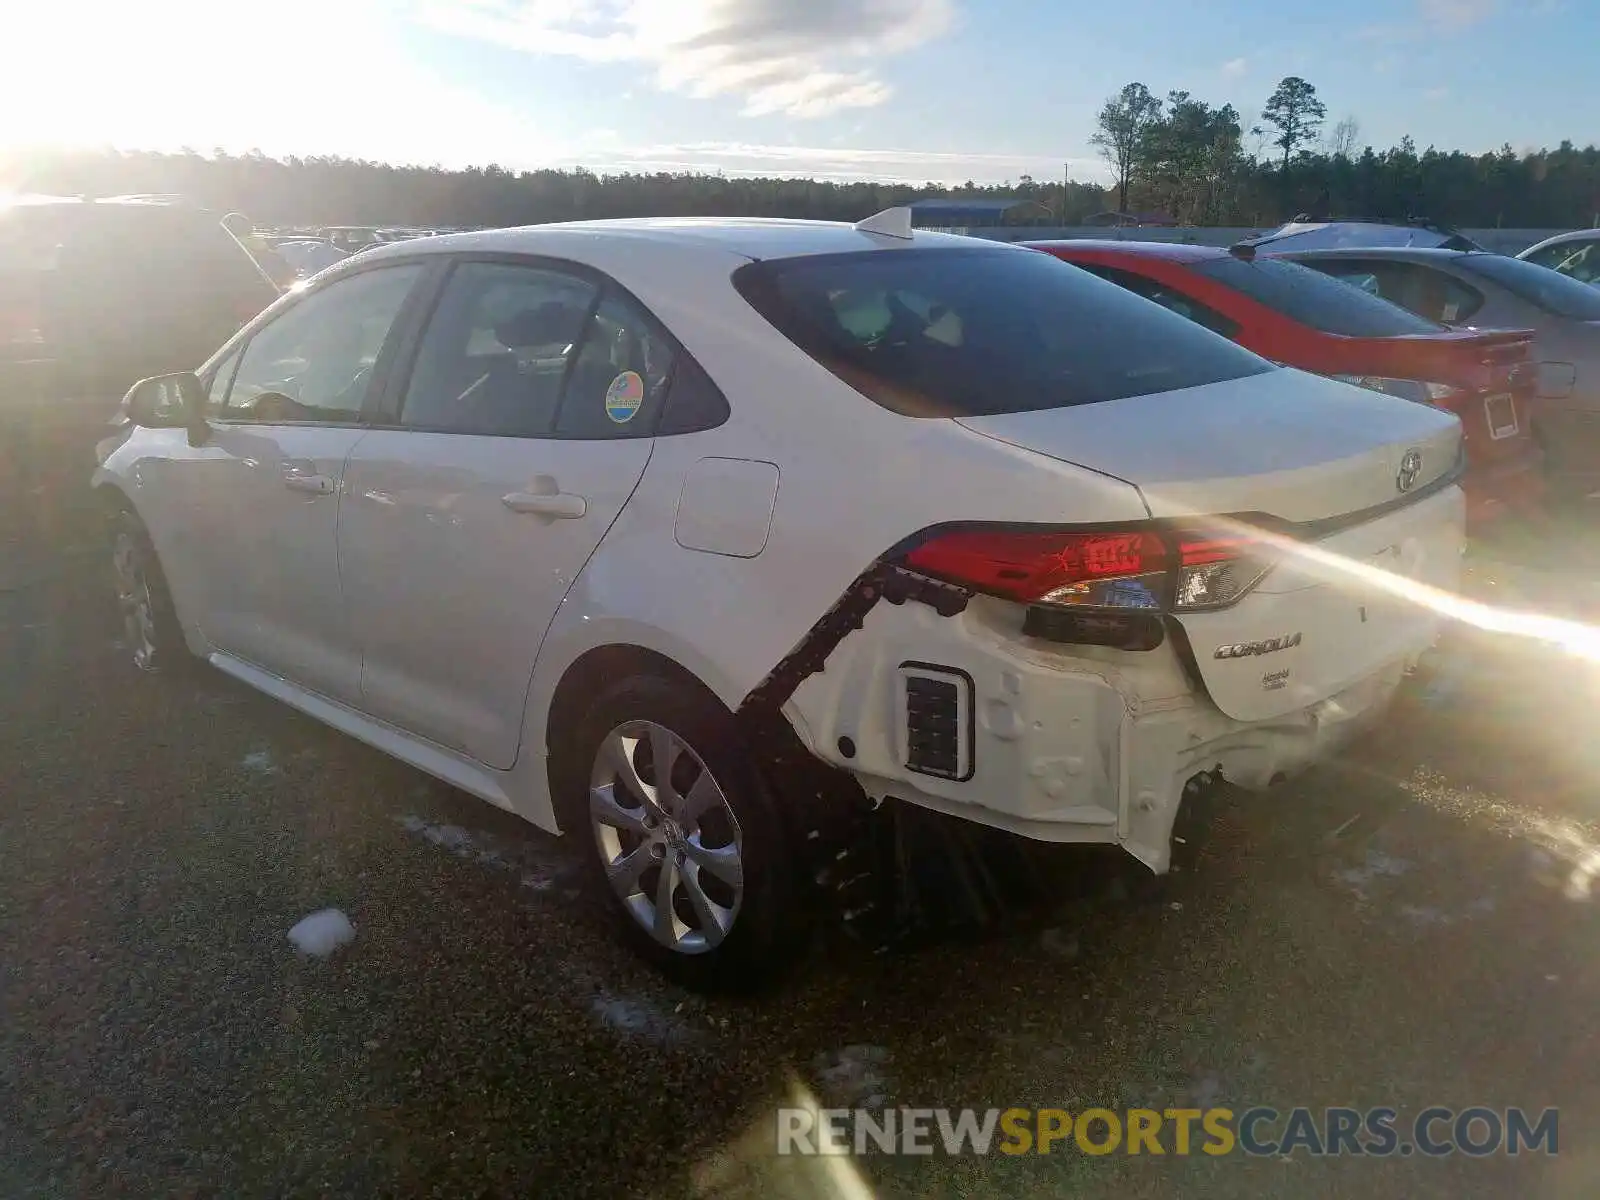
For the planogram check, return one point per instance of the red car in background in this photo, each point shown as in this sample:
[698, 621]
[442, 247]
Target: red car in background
[1302, 318]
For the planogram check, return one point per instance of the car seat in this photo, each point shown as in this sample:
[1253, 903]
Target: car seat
[517, 395]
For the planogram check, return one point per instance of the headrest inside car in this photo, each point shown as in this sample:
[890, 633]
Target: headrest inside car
[551, 324]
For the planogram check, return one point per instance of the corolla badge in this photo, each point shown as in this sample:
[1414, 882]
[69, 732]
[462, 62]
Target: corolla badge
[1285, 641]
[1410, 470]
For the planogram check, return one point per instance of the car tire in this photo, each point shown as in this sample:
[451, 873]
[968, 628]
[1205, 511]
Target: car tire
[150, 625]
[711, 843]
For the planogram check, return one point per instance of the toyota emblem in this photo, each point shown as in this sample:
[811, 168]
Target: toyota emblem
[1410, 469]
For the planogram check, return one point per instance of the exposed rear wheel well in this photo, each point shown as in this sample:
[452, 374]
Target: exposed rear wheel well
[590, 674]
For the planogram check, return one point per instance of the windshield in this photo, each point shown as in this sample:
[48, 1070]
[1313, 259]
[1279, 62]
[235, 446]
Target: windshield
[1315, 299]
[1540, 286]
[959, 333]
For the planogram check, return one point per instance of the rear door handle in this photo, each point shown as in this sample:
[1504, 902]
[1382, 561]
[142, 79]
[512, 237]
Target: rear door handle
[560, 506]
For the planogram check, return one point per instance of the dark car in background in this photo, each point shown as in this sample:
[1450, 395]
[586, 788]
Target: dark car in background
[1476, 290]
[94, 296]
[1299, 317]
[97, 294]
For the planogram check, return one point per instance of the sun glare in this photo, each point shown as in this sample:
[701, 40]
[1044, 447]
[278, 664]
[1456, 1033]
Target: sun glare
[299, 78]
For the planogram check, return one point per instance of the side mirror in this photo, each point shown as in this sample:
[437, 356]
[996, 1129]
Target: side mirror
[168, 402]
[165, 401]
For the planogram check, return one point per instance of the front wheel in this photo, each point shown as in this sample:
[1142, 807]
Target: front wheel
[682, 839]
[150, 626]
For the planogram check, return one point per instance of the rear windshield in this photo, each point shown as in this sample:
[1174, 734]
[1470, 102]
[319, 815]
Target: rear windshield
[958, 332]
[1315, 299]
[1549, 290]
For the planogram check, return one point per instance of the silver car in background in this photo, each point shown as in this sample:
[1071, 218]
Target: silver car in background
[1576, 254]
[1479, 290]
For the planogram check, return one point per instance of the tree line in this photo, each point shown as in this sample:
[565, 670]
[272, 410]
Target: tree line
[1177, 155]
[344, 191]
[1197, 164]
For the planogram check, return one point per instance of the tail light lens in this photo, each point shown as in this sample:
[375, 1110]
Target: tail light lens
[1215, 571]
[1136, 568]
[1415, 390]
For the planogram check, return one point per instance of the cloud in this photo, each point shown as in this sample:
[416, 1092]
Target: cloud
[1235, 67]
[1432, 18]
[1436, 94]
[802, 58]
[1456, 14]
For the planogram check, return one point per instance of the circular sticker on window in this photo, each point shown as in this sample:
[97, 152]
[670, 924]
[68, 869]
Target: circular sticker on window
[624, 397]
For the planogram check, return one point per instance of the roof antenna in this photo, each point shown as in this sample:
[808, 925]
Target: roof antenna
[891, 222]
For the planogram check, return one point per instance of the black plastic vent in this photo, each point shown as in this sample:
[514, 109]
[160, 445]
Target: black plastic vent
[937, 715]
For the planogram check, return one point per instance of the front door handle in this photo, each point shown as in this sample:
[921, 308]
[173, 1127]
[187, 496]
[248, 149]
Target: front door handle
[560, 506]
[300, 475]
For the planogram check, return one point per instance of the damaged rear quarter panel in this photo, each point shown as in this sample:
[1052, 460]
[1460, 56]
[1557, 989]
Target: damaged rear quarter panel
[1051, 722]
[856, 480]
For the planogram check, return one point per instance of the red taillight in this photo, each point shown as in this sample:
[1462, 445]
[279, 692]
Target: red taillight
[1060, 568]
[1199, 550]
[1129, 568]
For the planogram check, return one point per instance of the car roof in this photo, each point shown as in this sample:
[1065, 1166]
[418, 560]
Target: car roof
[1185, 252]
[753, 238]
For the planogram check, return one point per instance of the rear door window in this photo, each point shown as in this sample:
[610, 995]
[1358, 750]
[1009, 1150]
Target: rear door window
[1549, 290]
[497, 350]
[959, 332]
[1438, 298]
[1181, 303]
[619, 376]
[1312, 299]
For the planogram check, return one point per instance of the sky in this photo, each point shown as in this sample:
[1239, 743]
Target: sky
[915, 90]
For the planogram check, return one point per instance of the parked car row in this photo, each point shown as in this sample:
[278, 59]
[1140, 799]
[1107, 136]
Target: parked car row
[1294, 315]
[1478, 290]
[1522, 367]
[729, 544]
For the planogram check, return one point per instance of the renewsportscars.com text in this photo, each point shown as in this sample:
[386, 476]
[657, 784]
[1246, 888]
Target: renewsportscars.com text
[1476, 1131]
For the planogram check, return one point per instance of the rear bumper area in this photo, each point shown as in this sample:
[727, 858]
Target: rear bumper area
[1063, 744]
[1513, 487]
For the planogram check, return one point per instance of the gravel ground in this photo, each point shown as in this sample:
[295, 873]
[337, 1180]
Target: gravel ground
[1409, 926]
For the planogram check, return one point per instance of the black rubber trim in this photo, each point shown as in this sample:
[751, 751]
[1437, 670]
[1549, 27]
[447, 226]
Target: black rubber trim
[881, 581]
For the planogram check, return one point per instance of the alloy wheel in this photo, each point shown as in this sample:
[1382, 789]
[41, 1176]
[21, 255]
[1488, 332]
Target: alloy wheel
[668, 839]
[133, 598]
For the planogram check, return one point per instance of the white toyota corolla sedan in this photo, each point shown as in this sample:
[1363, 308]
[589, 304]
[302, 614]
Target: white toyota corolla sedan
[687, 535]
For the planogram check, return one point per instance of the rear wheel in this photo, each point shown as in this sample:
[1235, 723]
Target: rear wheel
[150, 626]
[681, 839]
